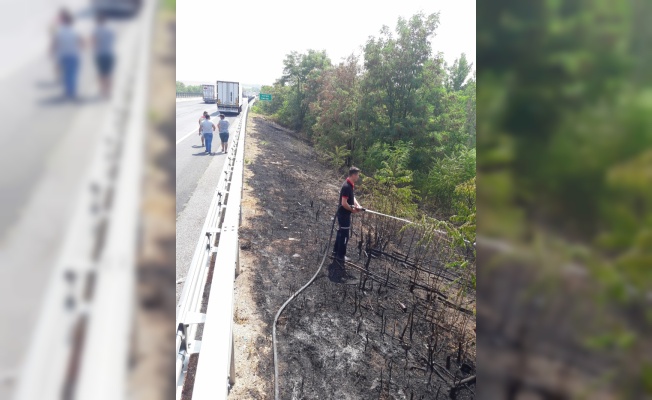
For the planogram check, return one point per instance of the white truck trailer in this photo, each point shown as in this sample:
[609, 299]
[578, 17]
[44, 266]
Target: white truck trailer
[209, 94]
[229, 97]
[116, 7]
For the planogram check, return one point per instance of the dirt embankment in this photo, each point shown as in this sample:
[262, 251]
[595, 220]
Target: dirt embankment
[152, 364]
[367, 340]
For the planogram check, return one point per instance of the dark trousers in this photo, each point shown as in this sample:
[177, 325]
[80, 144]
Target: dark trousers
[342, 238]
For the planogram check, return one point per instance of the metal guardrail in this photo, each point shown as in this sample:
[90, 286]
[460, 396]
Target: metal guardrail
[184, 94]
[79, 348]
[216, 360]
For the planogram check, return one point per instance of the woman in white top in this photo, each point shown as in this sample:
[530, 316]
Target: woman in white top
[207, 128]
[67, 48]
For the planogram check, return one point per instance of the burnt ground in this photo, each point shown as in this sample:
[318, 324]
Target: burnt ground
[532, 321]
[404, 329]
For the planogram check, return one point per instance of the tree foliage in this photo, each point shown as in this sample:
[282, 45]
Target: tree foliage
[395, 111]
[564, 155]
[182, 88]
[300, 72]
[457, 73]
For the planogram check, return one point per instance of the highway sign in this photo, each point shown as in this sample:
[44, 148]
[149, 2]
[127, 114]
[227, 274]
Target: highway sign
[265, 96]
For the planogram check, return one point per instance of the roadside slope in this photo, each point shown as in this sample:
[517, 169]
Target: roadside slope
[280, 238]
[334, 341]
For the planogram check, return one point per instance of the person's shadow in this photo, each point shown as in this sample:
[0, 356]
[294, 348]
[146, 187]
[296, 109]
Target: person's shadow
[336, 272]
[43, 84]
[63, 100]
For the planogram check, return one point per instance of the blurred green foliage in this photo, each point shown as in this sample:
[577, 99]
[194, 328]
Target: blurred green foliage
[170, 5]
[564, 152]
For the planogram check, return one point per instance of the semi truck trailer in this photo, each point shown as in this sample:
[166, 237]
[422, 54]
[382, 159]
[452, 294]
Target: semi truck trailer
[116, 7]
[209, 94]
[229, 97]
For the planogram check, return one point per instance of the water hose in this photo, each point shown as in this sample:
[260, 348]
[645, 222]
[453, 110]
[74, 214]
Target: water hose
[280, 310]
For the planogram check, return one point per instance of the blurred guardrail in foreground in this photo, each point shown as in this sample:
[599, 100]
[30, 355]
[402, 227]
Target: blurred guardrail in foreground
[80, 347]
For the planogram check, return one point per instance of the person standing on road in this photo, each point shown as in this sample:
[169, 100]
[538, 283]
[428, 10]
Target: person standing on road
[201, 119]
[348, 205]
[224, 132]
[67, 47]
[207, 129]
[103, 39]
[54, 30]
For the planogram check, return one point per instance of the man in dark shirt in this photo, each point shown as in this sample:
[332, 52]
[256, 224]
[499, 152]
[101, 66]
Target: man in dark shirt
[347, 205]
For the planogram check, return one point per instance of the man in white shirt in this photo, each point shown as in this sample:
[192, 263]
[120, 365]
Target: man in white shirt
[202, 119]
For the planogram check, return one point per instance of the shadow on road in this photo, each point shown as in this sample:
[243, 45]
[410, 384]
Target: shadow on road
[60, 100]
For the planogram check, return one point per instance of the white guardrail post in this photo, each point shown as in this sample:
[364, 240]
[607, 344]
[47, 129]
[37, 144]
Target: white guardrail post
[216, 366]
[80, 346]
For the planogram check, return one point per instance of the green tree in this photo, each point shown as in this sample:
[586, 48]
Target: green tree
[392, 114]
[457, 73]
[470, 122]
[394, 72]
[182, 88]
[336, 106]
[296, 70]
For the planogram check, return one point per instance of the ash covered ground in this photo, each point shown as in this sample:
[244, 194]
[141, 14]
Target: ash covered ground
[403, 328]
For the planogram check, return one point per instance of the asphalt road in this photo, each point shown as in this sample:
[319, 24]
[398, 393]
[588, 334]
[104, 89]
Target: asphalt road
[191, 160]
[197, 175]
[45, 147]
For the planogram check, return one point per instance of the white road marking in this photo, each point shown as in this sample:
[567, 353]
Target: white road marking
[188, 134]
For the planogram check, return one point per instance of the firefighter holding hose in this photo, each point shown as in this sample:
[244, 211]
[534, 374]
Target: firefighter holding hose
[348, 205]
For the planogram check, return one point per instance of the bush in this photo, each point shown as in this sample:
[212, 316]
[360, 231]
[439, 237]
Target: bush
[445, 176]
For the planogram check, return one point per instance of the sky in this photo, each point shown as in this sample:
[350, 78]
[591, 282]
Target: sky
[246, 41]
